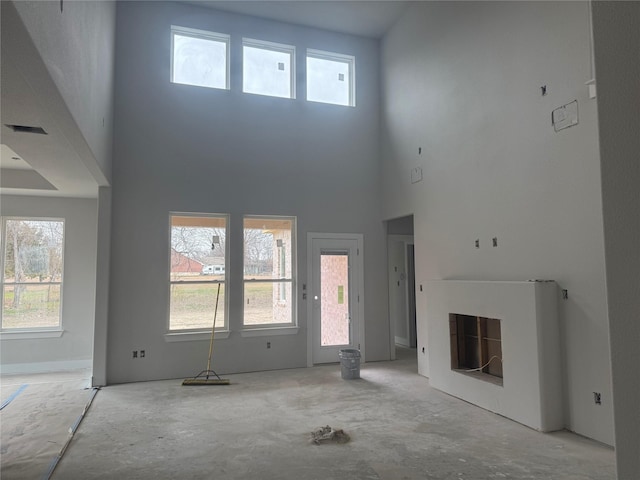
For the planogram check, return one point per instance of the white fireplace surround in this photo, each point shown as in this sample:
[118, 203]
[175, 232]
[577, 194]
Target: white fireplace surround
[528, 312]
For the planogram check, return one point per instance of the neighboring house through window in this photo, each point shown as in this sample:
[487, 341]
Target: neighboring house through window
[198, 256]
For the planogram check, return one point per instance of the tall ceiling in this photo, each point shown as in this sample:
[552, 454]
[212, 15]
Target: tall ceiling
[51, 164]
[357, 17]
[50, 161]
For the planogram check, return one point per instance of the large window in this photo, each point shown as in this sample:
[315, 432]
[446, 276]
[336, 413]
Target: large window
[330, 78]
[198, 260]
[268, 68]
[32, 273]
[269, 271]
[199, 58]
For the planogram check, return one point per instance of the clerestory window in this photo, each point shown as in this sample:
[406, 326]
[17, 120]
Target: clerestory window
[330, 78]
[199, 58]
[268, 68]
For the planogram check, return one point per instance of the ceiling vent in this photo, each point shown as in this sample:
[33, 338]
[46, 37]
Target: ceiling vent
[27, 129]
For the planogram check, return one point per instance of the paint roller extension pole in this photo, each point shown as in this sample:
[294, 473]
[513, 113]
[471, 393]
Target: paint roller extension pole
[213, 330]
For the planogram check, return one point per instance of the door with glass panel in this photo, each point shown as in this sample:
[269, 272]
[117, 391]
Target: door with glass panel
[334, 297]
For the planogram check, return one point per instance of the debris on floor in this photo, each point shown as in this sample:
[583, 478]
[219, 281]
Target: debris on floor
[329, 435]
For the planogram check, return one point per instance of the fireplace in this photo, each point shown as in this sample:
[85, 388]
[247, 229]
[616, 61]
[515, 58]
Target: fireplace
[496, 345]
[476, 347]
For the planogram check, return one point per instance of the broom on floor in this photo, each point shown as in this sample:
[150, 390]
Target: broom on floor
[206, 377]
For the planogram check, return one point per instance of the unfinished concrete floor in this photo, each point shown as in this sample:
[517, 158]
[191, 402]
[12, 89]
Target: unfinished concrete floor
[35, 424]
[259, 428]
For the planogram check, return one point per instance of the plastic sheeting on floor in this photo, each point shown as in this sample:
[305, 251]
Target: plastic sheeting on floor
[36, 422]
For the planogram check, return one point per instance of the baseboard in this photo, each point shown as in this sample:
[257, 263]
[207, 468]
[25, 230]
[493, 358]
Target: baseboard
[44, 367]
[403, 342]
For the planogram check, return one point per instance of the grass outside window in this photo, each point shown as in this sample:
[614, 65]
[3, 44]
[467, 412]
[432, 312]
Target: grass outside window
[198, 248]
[32, 271]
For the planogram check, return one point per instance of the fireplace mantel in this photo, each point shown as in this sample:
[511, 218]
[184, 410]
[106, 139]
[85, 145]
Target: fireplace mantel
[531, 391]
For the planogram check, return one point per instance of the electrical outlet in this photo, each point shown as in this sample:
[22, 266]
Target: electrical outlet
[495, 241]
[142, 353]
[477, 243]
[597, 398]
[135, 354]
[565, 294]
[268, 344]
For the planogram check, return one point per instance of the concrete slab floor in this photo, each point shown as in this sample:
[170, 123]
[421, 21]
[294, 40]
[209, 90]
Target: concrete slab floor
[34, 426]
[259, 428]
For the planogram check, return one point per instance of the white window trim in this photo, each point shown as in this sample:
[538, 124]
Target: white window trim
[269, 331]
[255, 330]
[276, 47]
[192, 334]
[204, 35]
[338, 57]
[26, 334]
[34, 332]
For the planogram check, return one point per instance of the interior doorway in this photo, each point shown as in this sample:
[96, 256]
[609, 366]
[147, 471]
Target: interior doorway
[402, 284]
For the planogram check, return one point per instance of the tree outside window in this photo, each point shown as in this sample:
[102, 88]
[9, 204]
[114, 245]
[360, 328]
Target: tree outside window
[269, 271]
[32, 273]
[198, 259]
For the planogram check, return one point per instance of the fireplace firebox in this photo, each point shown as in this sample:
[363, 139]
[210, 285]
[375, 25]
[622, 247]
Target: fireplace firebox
[476, 346]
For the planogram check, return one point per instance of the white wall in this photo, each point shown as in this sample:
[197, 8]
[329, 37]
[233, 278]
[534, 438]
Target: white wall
[400, 226]
[103, 249]
[74, 348]
[78, 47]
[191, 149]
[462, 81]
[616, 28]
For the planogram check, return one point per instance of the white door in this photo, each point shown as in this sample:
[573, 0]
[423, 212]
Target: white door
[334, 294]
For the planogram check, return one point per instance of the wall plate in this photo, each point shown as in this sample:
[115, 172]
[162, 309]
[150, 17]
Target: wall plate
[565, 116]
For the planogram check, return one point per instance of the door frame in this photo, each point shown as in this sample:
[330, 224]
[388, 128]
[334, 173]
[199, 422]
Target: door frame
[358, 274]
[406, 240]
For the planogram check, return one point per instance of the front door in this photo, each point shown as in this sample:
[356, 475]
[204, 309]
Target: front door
[334, 297]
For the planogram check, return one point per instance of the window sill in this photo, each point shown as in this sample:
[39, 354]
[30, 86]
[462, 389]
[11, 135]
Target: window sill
[268, 331]
[30, 334]
[194, 336]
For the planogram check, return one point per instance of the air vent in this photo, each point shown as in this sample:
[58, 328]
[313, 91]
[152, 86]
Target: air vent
[27, 129]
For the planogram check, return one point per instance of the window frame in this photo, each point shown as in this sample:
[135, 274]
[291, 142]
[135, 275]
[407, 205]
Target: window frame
[274, 47]
[203, 35]
[350, 60]
[282, 266]
[3, 245]
[188, 333]
[282, 326]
